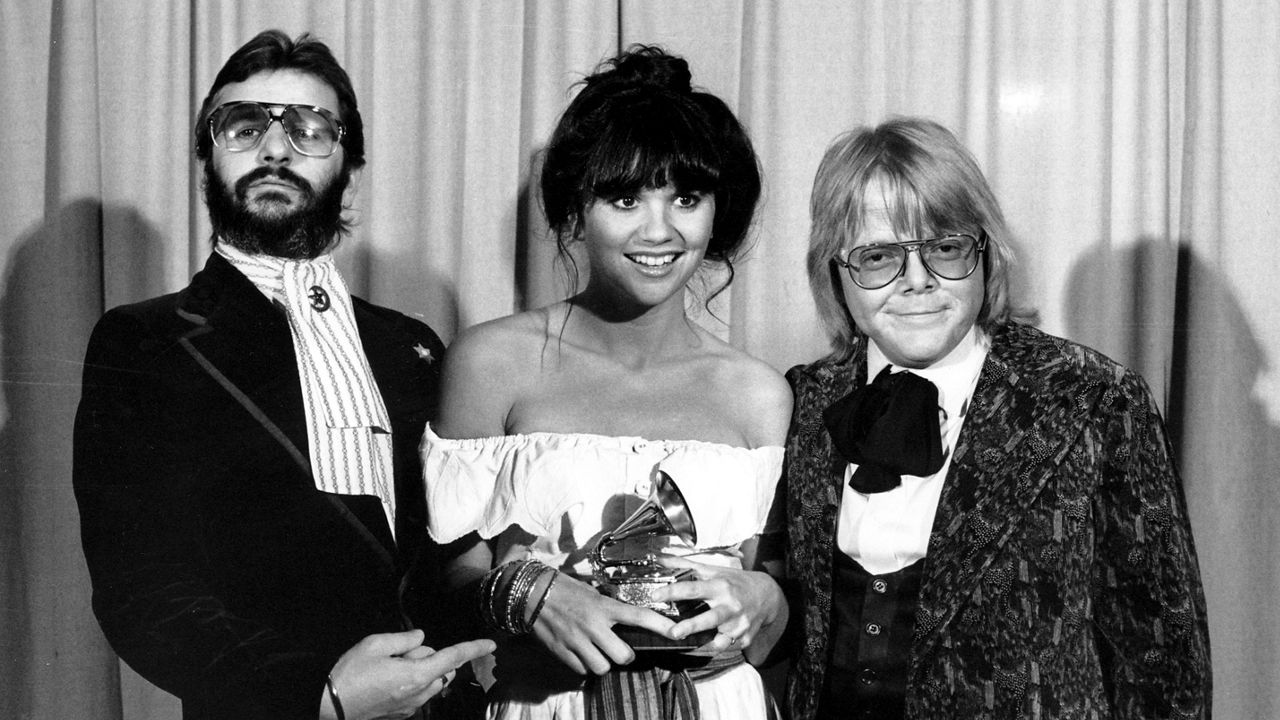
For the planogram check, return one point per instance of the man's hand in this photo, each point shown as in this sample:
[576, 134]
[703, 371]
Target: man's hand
[392, 675]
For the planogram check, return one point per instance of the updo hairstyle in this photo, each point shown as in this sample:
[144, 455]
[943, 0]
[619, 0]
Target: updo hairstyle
[638, 124]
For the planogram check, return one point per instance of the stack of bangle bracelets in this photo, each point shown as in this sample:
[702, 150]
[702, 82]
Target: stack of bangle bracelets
[505, 592]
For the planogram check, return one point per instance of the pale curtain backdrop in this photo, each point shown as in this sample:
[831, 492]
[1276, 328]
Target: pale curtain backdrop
[1135, 146]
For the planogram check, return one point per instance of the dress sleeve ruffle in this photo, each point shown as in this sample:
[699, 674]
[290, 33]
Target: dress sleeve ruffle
[486, 485]
[471, 486]
[728, 490]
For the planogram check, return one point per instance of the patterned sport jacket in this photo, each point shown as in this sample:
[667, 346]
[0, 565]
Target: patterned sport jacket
[1061, 579]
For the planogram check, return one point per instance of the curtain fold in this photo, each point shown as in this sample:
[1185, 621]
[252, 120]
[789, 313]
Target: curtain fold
[1133, 147]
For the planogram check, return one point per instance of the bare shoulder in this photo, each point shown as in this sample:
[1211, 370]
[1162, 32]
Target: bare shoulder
[755, 389]
[497, 345]
[485, 370]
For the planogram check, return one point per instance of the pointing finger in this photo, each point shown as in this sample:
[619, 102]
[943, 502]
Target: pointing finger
[455, 656]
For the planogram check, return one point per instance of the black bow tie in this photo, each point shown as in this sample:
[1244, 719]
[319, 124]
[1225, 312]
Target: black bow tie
[889, 428]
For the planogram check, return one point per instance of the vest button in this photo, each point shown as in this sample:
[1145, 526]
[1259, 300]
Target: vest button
[879, 587]
[867, 676]
[873, 629]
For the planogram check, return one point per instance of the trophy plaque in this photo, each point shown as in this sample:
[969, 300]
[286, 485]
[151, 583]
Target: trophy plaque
[633, 580]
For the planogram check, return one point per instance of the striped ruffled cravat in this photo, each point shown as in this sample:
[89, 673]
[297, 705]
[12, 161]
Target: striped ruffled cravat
[348, 429]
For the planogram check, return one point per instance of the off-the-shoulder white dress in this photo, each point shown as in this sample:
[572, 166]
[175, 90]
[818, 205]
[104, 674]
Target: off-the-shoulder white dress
[565, 490]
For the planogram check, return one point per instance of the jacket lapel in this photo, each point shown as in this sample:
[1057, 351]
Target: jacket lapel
[398, 361]
[404, 364]
[245, 339]
[843, 383]
[816, 474]
[837, 381]
[1019, 428]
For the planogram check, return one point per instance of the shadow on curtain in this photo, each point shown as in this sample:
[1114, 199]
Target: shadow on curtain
[52, 296]
[1159, 308]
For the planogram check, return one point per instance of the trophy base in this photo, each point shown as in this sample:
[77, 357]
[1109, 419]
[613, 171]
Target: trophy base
[642, 640]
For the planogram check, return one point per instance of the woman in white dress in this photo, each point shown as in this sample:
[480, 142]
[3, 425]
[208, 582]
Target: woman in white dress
[556, 422]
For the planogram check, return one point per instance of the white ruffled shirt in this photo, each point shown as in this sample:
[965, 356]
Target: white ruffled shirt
[567, 489]
[885, 532]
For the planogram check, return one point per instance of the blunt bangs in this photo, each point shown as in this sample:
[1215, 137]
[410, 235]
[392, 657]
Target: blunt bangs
[651, 145]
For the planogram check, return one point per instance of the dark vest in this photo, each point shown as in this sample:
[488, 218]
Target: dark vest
[872, 617]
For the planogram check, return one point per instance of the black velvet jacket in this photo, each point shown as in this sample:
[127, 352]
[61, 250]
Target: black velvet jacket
[1061, 579]
[220, 572]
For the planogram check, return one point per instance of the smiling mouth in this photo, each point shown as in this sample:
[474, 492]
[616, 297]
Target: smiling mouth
[655, 262]
[920, 314]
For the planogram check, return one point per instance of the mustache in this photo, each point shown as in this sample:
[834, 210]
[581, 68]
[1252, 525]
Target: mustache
[278, 173]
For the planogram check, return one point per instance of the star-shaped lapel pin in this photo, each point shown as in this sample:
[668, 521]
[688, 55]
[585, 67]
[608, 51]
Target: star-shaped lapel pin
[424, 353]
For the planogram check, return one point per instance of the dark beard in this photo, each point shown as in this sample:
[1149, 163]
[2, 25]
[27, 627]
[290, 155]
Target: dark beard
[300, 234]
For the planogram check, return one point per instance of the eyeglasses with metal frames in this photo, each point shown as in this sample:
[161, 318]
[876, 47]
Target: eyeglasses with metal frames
[951, 257]
[239, 126]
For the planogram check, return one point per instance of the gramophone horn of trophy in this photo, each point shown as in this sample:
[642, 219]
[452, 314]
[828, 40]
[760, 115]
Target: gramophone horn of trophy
[633, 580]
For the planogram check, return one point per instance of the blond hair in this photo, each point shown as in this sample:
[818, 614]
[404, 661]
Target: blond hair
[933, 186]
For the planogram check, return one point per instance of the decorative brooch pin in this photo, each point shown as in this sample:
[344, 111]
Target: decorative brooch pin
[319, 298]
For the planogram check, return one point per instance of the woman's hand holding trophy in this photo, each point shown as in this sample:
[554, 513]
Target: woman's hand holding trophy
[713, 609]
[578, 623]
[639, 580]
[653, 601]
[741, 605]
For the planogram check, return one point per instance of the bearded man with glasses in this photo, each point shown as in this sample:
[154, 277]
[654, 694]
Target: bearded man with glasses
[984, 520]
[246, 449]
